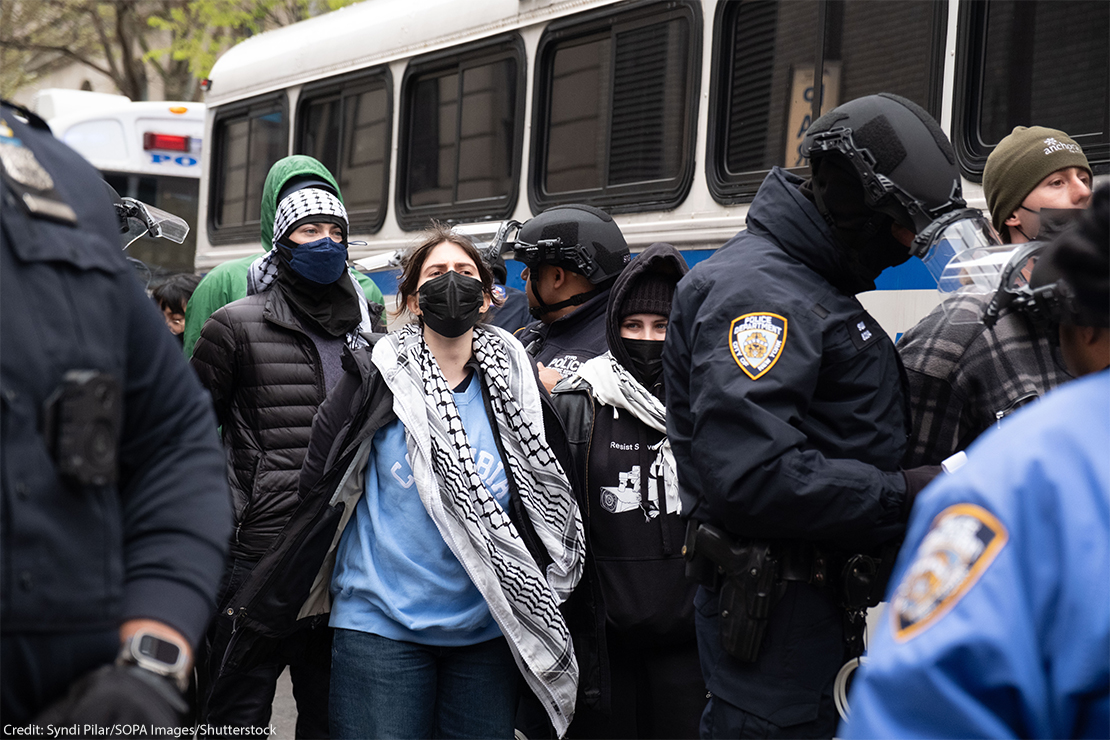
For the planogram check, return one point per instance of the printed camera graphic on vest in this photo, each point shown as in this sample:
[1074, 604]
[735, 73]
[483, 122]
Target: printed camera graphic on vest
[625, 496]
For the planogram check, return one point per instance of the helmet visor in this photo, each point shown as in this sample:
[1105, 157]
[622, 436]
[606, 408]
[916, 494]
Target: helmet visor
[997, 273]
[951, 235]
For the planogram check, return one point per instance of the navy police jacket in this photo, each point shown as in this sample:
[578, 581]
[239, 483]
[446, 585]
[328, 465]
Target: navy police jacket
[79, 556]
[787, 418]
[785, 400]
[570, 340]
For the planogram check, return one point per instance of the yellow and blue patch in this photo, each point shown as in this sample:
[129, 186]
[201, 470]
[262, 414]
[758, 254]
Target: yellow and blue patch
[962, 543]
[756, 341]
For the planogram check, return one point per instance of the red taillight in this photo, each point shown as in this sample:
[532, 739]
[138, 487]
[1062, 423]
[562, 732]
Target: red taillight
[165, 142]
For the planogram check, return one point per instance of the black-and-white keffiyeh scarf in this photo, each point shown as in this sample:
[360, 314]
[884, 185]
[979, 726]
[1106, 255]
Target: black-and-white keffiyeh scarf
[614, 386]
[523, 600]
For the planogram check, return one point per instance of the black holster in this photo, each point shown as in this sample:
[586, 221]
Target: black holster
[747, 576]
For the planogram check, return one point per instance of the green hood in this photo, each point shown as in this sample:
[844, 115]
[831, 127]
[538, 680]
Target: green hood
[283, 169]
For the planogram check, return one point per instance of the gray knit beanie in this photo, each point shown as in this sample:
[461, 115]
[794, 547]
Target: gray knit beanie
[1018, 164]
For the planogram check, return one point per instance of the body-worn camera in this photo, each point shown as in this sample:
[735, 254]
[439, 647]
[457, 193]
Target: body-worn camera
[81, 424]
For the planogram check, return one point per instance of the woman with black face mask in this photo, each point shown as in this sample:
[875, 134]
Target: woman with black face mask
[445, 532]
[651, 685]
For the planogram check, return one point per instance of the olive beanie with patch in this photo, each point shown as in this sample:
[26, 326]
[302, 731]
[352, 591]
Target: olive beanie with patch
[1019, 163]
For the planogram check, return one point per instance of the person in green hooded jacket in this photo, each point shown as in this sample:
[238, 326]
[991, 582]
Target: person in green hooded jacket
[227, 281]
[268, 360]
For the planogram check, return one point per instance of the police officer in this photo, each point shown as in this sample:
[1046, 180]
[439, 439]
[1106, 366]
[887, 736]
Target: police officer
[116, 514]
[999, 619]
[572, 256]
[787, 416]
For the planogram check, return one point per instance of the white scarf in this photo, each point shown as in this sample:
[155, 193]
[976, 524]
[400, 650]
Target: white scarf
[614, 386]
[523, 600]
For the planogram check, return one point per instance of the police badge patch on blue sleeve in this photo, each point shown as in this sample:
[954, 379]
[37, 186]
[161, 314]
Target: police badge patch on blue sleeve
[962, 543]
[756, 341]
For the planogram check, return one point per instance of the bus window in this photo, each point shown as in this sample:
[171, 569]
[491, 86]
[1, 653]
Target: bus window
[248, 140]
[1035, 63]
[764, 67]
[462, 129]
[347, 126]
[615, 110]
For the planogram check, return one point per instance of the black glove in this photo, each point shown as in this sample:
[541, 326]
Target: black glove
[916, 480]
[118, 695]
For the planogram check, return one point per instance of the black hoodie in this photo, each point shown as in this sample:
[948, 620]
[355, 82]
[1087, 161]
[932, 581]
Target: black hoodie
[635, 542]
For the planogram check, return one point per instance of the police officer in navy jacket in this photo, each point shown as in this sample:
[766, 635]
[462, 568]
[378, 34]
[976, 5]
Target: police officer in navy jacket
[787, 415]
[116, 515]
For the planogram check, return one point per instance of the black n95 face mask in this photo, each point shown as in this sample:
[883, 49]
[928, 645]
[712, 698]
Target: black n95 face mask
[647, 359]
[451, 303]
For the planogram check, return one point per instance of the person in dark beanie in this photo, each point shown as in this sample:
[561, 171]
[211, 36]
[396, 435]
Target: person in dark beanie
[639, 660]
[965, 377]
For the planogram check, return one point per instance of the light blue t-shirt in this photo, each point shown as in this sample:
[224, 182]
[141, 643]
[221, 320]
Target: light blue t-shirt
[394, 574]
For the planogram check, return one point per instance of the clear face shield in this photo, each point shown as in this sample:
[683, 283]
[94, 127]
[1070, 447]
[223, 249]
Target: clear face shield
[953, 234]
[999, 275]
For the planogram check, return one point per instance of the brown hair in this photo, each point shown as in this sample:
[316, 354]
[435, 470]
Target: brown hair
[415, 257]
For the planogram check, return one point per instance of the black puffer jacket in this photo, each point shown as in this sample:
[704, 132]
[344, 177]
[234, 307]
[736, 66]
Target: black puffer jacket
[266, 381]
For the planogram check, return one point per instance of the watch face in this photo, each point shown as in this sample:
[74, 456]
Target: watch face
[160, 650]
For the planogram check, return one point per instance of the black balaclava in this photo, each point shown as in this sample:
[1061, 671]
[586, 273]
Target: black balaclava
[863, 234]
[647, 285]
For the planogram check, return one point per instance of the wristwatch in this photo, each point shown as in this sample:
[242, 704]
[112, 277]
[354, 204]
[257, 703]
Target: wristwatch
[157, 655]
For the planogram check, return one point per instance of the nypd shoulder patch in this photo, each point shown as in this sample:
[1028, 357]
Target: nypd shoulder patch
[961, 543]
[757, 341]
[499, 291]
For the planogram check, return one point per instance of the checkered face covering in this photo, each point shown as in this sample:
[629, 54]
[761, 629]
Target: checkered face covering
[307, 202]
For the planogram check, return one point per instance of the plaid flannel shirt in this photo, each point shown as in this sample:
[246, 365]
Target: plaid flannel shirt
[964, 377]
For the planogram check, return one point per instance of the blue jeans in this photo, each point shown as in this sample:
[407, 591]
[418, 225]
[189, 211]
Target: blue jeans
[382, 688]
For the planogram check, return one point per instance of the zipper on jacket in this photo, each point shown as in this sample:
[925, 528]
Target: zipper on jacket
[1018, 402]
[236, 623]
[586, 472]
[250, 498]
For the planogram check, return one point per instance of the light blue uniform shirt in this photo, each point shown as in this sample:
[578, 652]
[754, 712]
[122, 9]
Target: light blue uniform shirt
[394, 574]
[999, 623]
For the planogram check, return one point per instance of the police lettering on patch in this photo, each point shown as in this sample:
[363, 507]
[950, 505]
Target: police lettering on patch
[756, 341]
[962, 542]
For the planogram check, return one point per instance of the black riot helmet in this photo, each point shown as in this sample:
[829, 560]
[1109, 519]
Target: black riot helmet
[579, 238]
[576, 237]
[904, 165]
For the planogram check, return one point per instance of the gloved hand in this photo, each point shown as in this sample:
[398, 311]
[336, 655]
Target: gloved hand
[118, 695]
[916, 480]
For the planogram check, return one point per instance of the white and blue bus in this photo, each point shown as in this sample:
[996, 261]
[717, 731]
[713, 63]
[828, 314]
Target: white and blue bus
[150, 151]
[668, 114]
